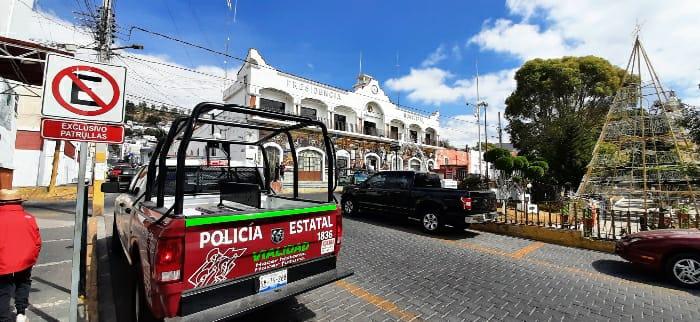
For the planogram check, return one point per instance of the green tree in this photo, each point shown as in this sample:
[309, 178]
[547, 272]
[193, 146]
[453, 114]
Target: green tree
[153, 119]
[445, 143]
[558, 108]
[494, 154]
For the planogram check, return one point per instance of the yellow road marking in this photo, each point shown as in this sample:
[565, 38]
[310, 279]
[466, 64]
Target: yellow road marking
[378, 301]
[520, 253]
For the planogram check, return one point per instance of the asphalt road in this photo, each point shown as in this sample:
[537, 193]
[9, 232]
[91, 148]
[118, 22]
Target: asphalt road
[403, 274]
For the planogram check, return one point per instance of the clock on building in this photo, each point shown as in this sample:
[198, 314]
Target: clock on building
[375, 89]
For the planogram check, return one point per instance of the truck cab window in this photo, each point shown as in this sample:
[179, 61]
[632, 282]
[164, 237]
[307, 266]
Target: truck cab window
[425, 180]
[398, 181]
[377, 181]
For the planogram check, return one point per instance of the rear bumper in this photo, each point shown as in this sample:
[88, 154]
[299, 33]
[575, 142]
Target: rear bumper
[197, 306]
[480, 218]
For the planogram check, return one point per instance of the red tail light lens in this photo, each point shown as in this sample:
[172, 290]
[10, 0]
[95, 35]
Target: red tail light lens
[116, 172]
[466, 203]
[339, 229]
[169, 260]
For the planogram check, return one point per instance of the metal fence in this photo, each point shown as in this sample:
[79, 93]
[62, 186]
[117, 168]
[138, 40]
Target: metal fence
[608, 223]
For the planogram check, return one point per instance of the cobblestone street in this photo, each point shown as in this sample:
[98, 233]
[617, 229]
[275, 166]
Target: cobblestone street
[402, 274]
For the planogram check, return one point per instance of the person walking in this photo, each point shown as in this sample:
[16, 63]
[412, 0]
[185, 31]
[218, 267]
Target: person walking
[20, 243]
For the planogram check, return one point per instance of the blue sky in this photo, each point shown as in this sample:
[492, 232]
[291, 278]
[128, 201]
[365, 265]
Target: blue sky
[437, 42]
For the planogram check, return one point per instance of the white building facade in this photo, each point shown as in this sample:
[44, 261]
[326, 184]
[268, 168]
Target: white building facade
[363, 122]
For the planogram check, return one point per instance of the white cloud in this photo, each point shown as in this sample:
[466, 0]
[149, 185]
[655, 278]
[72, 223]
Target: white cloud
[155, 81]
[436, 86]
[427, 85]
[457, 52]
[435, 57]
[520, 39]
[603, 28]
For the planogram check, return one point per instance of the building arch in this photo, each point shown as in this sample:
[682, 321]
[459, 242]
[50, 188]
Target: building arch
[430, 164]
[395, 162]
[275, 95]
[415, 164]
[344, 119]
[312, 164]
[277, 148]
[374, 160]
[319, 107]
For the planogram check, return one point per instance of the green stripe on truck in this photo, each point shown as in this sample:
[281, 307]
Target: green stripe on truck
[199, 221]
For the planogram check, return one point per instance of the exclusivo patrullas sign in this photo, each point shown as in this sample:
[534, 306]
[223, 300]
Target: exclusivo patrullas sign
[82, 131]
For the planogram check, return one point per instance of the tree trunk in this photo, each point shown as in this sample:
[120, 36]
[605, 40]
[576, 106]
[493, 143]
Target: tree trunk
[54, 168]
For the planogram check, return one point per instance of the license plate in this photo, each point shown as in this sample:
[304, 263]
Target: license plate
[272, 280]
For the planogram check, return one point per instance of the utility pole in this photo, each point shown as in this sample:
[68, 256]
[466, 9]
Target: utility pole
[104, 41]
[500, 132]
[486, 141]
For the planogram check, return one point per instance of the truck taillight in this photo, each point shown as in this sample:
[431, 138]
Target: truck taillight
[169, 260]
[339, 228]
[116, 172]
[466, 203]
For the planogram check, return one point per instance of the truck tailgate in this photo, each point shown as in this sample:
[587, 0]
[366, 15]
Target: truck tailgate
[483, 201]
[231, 247]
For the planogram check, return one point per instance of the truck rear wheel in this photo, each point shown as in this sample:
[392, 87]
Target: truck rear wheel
[140, 312]
[116, 244]
[431, 222]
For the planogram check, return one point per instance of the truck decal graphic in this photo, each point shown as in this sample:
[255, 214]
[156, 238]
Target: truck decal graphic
[216, 267]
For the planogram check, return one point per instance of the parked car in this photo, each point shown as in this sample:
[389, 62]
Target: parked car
[208, 242]
[675, 252]
[419, 195]
[122, 173]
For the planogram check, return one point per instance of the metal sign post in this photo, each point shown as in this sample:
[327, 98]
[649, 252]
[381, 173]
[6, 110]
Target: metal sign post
[78, 230]
[82, 101]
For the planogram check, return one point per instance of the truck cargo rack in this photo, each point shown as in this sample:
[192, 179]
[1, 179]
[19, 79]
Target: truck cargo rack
[183, 128]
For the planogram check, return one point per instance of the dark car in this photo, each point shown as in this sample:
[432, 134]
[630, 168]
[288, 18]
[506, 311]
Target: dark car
[122, 173]
[675, 252]
[419, 195]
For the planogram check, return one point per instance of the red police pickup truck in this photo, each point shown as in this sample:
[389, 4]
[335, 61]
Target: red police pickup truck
[206, 240]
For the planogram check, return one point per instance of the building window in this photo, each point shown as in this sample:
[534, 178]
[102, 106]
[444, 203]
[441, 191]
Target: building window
[394, 133]
[414, 136]
[310, 160]
[273, 106]
[447, 160]
[370, 128]
[428, 139]
[308, 112]
[339, 122]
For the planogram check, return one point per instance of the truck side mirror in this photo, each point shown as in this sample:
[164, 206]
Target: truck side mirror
[111, 187]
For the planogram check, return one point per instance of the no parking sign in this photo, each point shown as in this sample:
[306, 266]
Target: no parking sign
[81, 90]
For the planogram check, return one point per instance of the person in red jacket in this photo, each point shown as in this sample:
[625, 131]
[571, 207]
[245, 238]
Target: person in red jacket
[20, 243]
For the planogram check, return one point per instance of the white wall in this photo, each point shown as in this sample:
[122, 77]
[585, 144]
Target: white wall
[35, 169]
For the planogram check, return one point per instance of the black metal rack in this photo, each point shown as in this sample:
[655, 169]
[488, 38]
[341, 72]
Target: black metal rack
[186, 126]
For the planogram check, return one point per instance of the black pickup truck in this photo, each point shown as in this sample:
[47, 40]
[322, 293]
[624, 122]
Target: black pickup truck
[419, 195]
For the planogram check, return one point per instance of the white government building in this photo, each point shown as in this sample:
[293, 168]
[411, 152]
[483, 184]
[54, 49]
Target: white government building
[363, 123]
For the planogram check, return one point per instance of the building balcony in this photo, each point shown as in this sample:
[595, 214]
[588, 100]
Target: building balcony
[430, 142]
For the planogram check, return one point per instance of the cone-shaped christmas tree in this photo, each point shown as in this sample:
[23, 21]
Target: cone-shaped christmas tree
[643, 153]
